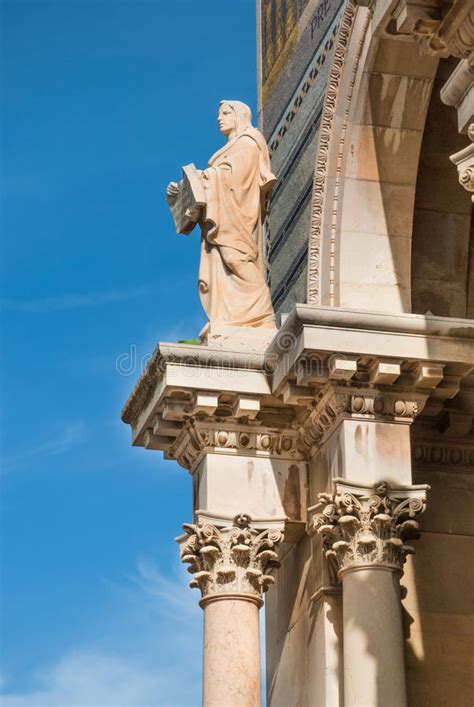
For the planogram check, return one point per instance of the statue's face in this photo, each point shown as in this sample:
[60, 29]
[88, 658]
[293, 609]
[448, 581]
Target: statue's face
[226, 119]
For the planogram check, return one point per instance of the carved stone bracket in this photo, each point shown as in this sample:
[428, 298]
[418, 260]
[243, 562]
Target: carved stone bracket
[230, 559]
[363, 527]
[441, 28]
[458, 91]
[464, 161]
[329, 405]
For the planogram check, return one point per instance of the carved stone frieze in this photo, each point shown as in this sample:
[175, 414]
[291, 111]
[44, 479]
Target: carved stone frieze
[386, 406]
[333, 403]
[450, 456]
[369, 526]
[199, 437]
[230, 559]
[325, 134]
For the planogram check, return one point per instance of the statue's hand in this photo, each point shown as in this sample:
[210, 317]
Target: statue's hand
[172, 190]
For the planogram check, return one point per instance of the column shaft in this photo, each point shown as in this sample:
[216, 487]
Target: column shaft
[365, 532]
[231, 661]
[374, 664]
[230, 564]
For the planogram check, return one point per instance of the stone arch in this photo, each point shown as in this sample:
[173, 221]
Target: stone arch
[364, 193]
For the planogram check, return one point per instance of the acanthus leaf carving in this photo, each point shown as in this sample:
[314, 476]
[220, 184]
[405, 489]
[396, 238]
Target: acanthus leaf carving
[362, 526]
[231, 559]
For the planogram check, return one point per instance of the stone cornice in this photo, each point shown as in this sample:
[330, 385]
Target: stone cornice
[380, 366]
[352, 319]
[193, 434]
[406, 353]
[189, 356]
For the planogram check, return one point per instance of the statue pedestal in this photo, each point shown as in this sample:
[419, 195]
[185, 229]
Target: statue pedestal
[237, 338]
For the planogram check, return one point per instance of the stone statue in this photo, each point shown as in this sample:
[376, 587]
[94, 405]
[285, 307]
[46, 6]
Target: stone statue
[228, 200]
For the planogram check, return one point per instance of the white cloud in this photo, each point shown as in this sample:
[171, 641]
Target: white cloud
[148, 653]
[175, 597]
[70, 435]
[92, 679]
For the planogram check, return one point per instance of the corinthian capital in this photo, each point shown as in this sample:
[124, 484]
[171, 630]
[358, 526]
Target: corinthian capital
[232, 559]
[369, 526]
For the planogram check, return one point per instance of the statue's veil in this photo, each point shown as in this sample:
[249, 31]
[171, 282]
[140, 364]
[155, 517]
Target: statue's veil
[243, 115]
[243, 119]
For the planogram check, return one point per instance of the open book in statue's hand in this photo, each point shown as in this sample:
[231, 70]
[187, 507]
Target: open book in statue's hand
[186, 200]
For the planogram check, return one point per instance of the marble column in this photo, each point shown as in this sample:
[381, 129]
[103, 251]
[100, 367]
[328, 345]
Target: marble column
[230, 563]
[231, 661]
[365, 533]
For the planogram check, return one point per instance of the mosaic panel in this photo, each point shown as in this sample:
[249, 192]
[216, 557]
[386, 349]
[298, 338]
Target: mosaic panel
[292, 111]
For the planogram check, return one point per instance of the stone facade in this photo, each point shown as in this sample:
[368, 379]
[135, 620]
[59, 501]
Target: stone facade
[320, 451]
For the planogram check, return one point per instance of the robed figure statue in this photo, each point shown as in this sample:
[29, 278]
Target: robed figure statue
[229, 200]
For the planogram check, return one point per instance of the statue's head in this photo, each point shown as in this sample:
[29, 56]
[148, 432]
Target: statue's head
[234, 117]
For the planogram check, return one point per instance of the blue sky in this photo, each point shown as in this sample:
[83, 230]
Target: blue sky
[103, 101]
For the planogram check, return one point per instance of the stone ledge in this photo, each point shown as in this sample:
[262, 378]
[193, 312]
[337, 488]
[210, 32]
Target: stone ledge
[383, 367]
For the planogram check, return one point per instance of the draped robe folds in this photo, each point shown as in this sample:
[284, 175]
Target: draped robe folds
[232, 284]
